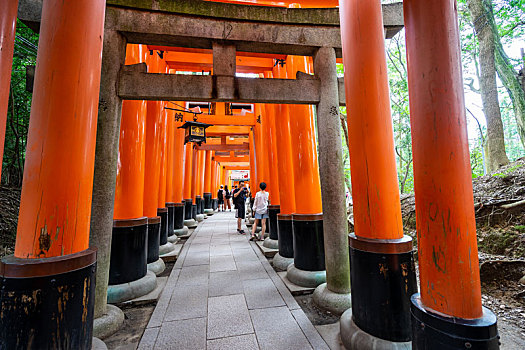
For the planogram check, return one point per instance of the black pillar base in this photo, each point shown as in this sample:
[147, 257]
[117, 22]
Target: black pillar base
[47, 303]
[129, 250]
[207, 201]
[194, 212]
[434, 332]
[188, 209]
[215, 202]
[163, 213]
[171, 218]
[178, 216]
[153, 239]
[198, 201]
[308, 242]
[202, 206]
[273, 210]
[383, 278]
[285, 235]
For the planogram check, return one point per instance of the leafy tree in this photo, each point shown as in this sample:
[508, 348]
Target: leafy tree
[19, 106]
[495, 140]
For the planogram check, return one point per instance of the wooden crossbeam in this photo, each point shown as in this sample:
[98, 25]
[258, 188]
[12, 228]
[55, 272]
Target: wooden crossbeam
[223, 148]
[241, 159]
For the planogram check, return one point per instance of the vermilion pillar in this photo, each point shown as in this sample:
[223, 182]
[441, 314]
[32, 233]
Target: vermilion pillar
[214, 189]
[195, 185]
[253, 177]
[284, 166]
[200, 173]
[450, 298]
[178, 182]
[51, 276]
[129, 242]
[162, 210]
[8, 12]
[207, 190]
[378, 240]
[269, 135]
[188, 182]
[154, 147]
[261, 145]
[170, 171]
[304, 149]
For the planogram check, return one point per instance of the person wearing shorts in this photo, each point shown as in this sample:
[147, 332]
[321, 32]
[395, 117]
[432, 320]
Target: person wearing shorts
[220, 197]
[260, 207]
[239, 198]
[227, 198]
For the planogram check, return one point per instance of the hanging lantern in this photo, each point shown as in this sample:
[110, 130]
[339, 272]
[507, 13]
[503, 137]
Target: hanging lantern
[195, 132]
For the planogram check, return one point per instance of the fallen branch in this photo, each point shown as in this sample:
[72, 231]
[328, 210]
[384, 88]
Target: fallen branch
[513, 205]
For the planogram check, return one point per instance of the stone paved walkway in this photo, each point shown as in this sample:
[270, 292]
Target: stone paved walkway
[223, 294]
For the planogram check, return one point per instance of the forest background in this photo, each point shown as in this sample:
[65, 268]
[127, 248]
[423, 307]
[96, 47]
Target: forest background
[502, 21]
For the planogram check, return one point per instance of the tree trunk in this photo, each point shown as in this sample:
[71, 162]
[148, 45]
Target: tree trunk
[506, 72]
[345, 133]
[495, 141]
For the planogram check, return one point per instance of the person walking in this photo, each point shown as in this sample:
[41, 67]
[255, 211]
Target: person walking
[220, 198]
[239, 198]
[260, 207]
[227, 196]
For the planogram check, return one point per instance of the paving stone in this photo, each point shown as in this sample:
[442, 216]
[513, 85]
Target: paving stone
[251, 270]
[222, 263]
[194, 275]
[279, 284]
[225, 283]
[262, 293]
[199, 247]
[241, 342]
[148, 339]
[309, 330]
[244, 254]
[197, 258]
[276, 328]
[185, 334]
[331, 335]
[187, 302]
[228, 316]
[203, 307]
[220, 249]
[162, 305]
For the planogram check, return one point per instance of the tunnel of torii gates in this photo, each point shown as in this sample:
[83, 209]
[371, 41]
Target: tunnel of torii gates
[107, 193]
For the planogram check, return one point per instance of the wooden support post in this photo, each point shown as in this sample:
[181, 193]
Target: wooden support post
[450, 296]
[377, 313]
[51, 277]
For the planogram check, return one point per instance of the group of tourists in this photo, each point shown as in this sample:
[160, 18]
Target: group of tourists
[238, 196]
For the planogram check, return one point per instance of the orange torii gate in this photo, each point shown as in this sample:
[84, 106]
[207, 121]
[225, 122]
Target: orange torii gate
[449, 304]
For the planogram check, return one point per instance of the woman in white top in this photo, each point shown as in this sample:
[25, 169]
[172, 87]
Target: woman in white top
[260, 207]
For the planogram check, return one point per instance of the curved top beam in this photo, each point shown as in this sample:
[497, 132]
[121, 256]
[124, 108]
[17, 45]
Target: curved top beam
[313, 16]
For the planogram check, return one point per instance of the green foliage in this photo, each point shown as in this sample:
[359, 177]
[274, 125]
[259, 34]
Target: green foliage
[19, 106]
[508, 171]
[520, 228]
